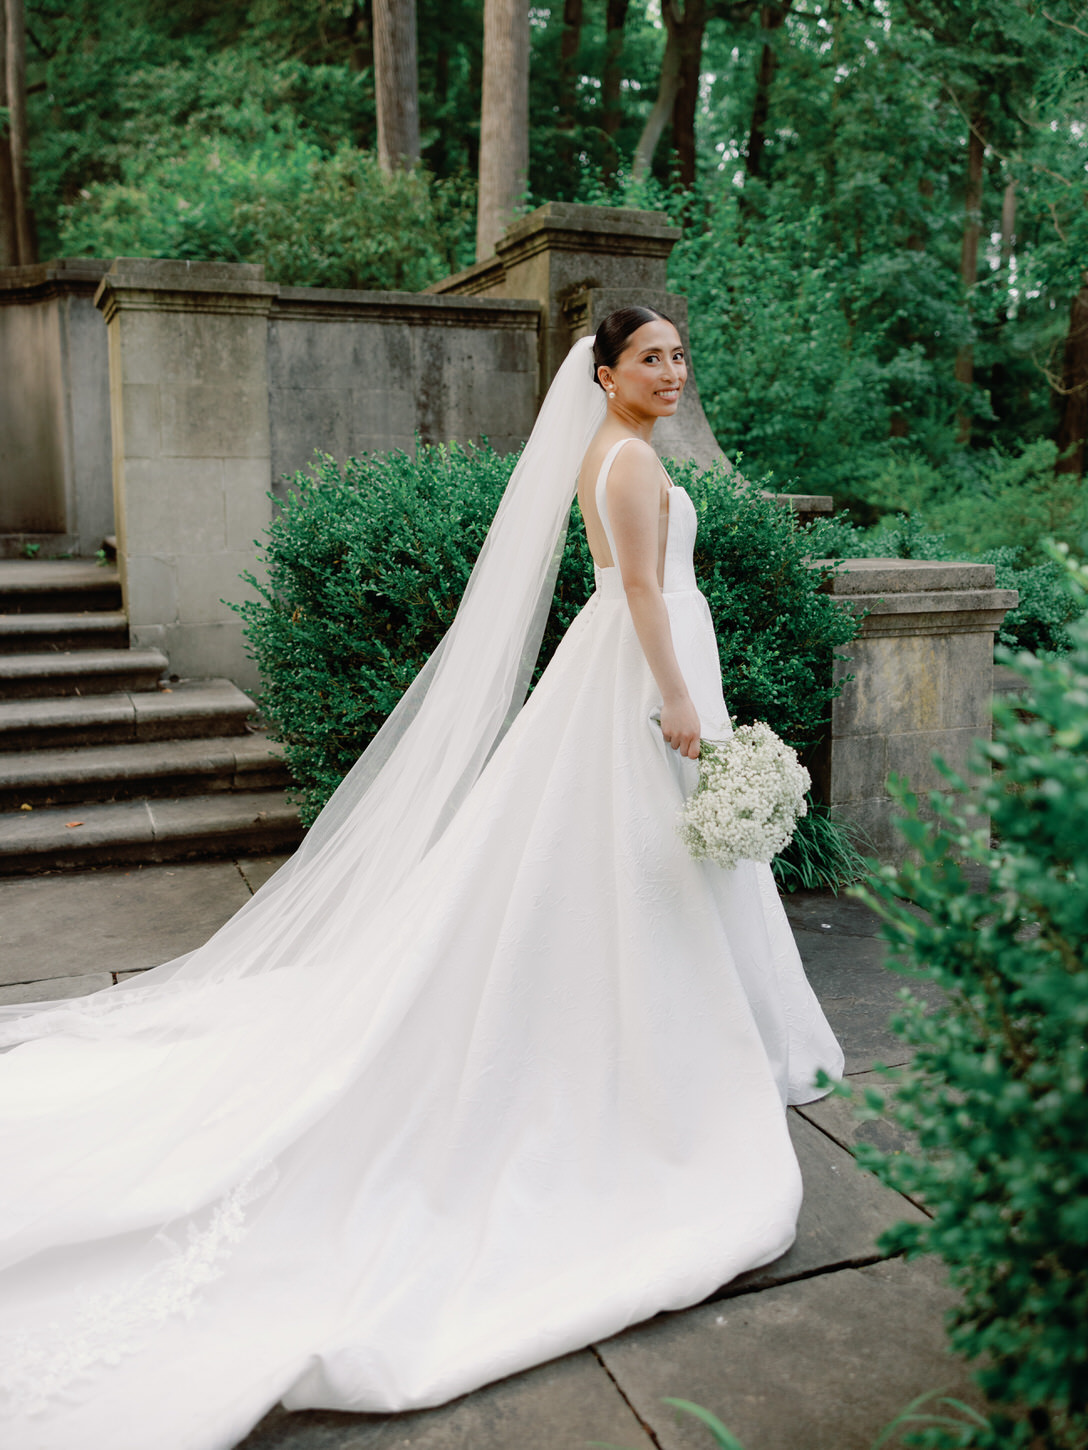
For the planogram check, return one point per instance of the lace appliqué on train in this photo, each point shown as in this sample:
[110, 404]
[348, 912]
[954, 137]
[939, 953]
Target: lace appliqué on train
[39, 1367]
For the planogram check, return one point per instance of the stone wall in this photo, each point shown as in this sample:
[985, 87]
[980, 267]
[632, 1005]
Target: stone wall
[356, 372]
[222, 382]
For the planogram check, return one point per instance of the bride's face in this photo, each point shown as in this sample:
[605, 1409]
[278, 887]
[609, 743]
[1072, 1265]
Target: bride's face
[651, 371]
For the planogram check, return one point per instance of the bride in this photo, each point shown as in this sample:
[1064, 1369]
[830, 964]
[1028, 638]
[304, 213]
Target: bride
[488, 1071]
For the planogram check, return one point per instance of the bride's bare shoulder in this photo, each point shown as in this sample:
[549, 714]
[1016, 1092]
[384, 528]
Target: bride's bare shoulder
[636, 459]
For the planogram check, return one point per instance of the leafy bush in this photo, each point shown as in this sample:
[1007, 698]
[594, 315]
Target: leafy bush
[310, 218]
[367, 564]
[1046, 607]
[983, 499]
[245, 157]
[998, 1093]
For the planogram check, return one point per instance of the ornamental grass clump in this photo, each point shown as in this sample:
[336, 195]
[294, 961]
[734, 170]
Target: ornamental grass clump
[750, 794]
[998, 1091]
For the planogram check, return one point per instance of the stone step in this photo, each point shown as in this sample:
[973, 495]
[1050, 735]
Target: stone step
[37, 546]
[52, 673]
[146, 830]
[47, 586]
[189, 709]
[153, 768]
[30, 633]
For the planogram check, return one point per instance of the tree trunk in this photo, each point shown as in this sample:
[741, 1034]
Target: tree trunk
[667, 90]
[18, 240]
[1008, 225]
[612, 77]
[972, 230]
[9, 245]
[396, 84]
[1073, 429]
[568, 82]
[770, 18]
[691, 26]
[360, 41]
[504, 120]
[439, 151]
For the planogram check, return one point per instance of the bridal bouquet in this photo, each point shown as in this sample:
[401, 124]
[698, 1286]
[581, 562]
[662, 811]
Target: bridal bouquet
[750, 795]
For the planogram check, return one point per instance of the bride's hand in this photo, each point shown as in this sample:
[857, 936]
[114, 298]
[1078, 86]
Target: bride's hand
[680, 727]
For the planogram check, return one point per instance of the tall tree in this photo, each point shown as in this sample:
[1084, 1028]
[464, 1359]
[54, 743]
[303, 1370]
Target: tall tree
[612, 77]
[679, 84]
[1073, 389]
[9, 241]
[18, 239]
[690, 27]
[396, 83]
[972, 231]
[771, 18]
[504, 120]
[668, 87]
[568, 81]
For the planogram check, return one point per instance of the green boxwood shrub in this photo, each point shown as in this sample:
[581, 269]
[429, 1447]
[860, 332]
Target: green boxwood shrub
[998, 1091]
[367, 564]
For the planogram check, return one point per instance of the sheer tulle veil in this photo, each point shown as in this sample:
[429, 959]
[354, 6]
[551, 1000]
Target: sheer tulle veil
[409, 782]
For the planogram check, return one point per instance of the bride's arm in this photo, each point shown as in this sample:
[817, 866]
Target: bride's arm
[634, 509]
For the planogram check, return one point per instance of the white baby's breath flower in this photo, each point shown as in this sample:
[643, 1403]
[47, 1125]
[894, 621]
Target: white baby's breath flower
[750, 795]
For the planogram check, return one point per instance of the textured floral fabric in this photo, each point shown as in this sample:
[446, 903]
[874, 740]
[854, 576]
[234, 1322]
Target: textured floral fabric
[533, 1098]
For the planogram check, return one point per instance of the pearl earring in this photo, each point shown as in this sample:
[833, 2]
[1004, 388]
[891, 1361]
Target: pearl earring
[611, 392]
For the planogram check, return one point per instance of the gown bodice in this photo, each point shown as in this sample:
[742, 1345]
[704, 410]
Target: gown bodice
[679, 574]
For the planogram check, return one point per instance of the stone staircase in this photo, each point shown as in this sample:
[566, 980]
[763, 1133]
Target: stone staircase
[101, 760]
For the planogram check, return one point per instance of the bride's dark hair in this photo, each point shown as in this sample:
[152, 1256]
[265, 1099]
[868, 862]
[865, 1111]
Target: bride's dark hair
[612, 335]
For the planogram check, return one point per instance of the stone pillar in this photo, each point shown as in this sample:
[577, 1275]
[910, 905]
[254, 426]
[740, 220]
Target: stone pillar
[581, 263]
[922, 684]
[56, 490]
[188, 355]
[561, 249]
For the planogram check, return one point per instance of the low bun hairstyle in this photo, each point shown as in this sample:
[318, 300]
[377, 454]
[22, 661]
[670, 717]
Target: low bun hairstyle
[612, 335]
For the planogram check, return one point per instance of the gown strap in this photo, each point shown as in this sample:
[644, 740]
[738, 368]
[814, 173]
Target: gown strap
[600, 492]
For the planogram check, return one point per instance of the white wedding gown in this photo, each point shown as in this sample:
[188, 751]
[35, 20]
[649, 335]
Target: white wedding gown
[537, 1096]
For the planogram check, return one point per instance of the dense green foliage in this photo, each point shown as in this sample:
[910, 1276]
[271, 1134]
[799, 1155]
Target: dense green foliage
[998, 1090]
[1046, 608]
[366, 566]
[838, 340]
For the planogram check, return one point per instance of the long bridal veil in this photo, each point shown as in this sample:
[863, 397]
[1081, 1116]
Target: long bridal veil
[408, 783]
[219, 1061]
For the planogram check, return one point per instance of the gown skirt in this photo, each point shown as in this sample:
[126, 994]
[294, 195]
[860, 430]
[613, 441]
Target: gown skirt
[536, 1097]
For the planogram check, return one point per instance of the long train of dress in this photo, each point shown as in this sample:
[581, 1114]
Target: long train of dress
[534, 1098]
